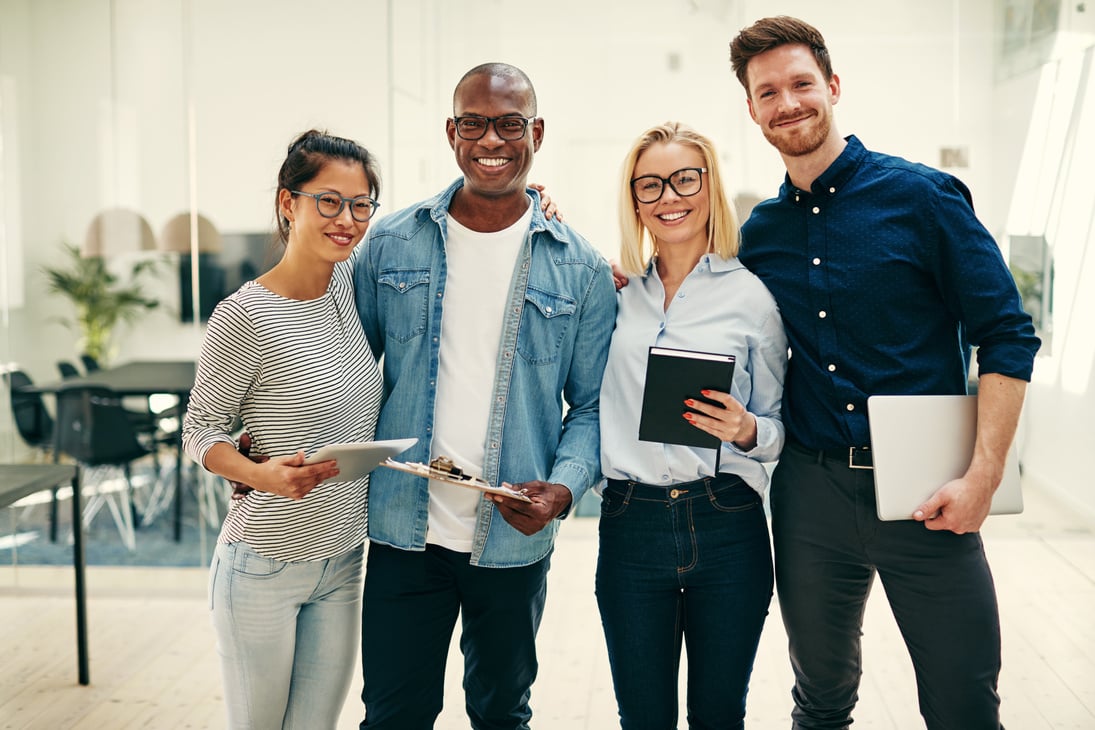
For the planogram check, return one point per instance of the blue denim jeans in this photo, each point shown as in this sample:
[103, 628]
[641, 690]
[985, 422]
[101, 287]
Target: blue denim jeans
[688, 562]
[829, 543]
[286, 634]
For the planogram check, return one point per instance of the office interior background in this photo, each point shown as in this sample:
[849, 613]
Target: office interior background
[180, 111]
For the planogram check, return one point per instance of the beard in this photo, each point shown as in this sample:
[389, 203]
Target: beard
[804, 141]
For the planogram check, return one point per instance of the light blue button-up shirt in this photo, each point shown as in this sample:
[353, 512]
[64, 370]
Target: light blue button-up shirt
[720, 307]
[554, 343]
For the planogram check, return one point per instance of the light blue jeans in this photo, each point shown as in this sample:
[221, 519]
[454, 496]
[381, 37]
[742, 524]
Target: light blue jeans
[287, 635]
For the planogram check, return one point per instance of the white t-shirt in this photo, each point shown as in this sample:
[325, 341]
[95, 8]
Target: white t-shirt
[477, 286]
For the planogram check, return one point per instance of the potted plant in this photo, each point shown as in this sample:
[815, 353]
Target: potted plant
[101, 300]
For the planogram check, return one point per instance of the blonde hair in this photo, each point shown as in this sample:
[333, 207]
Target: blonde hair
[722, 225]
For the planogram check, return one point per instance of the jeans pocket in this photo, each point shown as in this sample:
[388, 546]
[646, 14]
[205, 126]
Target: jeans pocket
[737, 498]
[249, 563]
[614, 502]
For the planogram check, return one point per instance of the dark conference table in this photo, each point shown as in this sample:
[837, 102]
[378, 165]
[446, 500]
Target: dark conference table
[21, 480]
[142, 378]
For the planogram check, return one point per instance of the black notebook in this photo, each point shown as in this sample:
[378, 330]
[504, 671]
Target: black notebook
[671, 377]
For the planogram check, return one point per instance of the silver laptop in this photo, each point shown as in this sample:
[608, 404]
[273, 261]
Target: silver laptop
[919, 443]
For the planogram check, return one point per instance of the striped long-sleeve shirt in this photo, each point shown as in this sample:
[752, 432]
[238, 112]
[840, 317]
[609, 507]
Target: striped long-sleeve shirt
[300, 375]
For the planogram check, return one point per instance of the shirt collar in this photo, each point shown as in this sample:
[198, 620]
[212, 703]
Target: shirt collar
[708, 262]
[832, 181]
[437, 207]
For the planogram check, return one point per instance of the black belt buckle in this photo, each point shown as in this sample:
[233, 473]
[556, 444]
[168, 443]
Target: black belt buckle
[860, 458]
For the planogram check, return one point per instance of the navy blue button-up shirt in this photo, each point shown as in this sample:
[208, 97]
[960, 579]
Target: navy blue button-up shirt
[885, 278]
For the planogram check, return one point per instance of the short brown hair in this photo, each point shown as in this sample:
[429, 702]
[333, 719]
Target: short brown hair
[769, 33]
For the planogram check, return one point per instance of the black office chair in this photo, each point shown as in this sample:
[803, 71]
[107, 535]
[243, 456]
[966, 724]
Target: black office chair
[67, 369]
[35, 427]
[95, 430]
[145, 422]
[90, 363]
[32, 420]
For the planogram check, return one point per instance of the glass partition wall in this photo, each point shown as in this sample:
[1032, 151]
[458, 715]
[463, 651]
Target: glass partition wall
[150, 131]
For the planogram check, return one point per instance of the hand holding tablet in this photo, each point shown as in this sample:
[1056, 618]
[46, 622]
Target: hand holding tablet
[358, 459]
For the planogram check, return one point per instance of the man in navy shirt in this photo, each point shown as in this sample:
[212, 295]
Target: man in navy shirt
[884, 278]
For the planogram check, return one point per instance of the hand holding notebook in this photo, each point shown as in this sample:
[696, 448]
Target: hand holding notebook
[672, 377]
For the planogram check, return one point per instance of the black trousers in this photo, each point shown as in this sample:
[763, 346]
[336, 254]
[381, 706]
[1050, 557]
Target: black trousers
[829, 543]
[411, 604]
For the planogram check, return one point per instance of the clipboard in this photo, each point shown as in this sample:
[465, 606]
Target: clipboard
[443, 470]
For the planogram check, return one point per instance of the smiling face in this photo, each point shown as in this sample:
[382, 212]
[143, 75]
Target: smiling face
[328, 239]
[791, 100]
[675, 222]
[494, 167]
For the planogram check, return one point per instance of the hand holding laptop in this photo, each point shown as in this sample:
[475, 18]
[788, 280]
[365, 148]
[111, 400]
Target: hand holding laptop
[924, 463]
[961, 505]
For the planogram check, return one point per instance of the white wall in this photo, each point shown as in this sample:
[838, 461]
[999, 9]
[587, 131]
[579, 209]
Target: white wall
[1053, 195]
[149, 103]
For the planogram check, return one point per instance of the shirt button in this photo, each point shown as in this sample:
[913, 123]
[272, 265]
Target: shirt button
[402, 285]
[680, 295]
[439, 294]
[850, 407]
[832, 190]
[832, 368]
[817, 261]
[823, 314]
[547, 309]
[816, 210]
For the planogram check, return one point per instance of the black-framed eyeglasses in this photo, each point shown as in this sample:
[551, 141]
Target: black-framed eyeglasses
[330, 205]
[685, 182]
[509, 127]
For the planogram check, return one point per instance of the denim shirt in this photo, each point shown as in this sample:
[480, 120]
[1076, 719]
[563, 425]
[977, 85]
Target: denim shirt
[554, 344]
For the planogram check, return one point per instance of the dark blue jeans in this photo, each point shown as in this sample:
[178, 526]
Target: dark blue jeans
[829, 543]
[411, 602]
[688, 562]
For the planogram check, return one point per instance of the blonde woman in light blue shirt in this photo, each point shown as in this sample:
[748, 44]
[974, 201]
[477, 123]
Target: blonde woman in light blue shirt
[684, 550]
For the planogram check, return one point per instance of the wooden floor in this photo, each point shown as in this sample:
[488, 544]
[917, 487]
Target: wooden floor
[153, 664]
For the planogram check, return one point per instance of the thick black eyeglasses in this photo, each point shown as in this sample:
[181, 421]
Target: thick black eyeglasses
[509, 127]
[685, 182]
[330, 205]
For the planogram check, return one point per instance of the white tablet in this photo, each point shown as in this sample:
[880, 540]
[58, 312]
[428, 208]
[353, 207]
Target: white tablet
[358, 459]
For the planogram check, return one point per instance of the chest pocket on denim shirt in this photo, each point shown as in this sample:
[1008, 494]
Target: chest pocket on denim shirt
[403, 297]
[545, 324]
